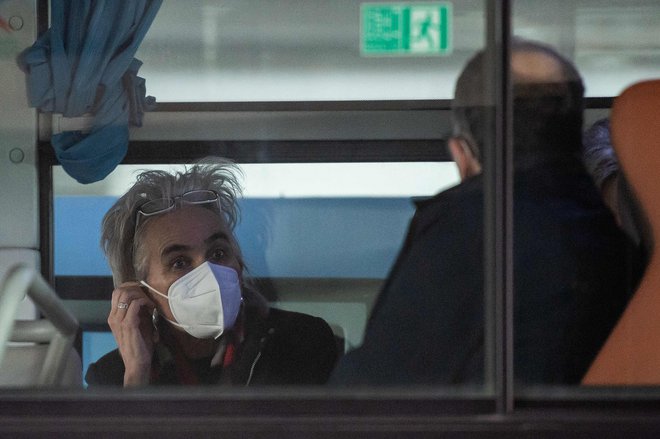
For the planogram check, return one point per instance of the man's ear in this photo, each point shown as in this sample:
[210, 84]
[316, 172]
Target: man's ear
[467, 163]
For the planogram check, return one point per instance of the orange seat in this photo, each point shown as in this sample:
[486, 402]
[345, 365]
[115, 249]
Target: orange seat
[631, 354]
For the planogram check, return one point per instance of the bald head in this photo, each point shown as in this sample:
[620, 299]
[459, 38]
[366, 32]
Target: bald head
[529, 67]
[547, 95]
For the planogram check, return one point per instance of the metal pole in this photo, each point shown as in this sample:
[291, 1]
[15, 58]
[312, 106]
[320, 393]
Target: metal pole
[498, 204]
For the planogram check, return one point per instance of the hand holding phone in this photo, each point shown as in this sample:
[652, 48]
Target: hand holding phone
[132, 321]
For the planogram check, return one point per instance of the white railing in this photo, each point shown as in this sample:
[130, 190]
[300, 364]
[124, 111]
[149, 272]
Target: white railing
[58, 329]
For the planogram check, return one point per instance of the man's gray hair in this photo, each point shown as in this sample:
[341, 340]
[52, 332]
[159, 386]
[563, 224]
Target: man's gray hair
[120, 240]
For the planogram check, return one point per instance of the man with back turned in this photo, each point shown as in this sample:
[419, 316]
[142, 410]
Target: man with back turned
[571, 278]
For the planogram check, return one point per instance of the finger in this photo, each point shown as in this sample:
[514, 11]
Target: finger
[118, 291]
[137, 323]
[133, 318]
[124, 294]
[134, 343]
[120, 303]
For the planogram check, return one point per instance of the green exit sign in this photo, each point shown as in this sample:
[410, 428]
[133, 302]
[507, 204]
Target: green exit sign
[405, 28]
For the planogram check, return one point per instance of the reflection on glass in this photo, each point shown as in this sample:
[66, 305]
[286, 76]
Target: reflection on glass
[292, 51]
[295, 51]
[613, 44]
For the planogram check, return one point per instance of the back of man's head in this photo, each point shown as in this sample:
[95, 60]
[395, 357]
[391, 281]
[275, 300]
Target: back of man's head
[547, 96]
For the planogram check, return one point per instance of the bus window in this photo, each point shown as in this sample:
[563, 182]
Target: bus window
[336, 158]
[217, 52]
[343, 141]
[242, 77]
[322, 248]
[612, 46]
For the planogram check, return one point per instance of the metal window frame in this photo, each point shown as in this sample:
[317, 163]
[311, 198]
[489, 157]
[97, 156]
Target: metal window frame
[498, 206]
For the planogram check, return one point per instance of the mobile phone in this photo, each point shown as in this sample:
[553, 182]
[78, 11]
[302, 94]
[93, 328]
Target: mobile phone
[154, 318]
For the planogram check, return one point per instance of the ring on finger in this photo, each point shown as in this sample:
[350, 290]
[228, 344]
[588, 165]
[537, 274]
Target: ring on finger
[122, 305]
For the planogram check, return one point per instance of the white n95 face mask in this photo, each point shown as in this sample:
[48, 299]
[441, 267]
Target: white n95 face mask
[206, 301]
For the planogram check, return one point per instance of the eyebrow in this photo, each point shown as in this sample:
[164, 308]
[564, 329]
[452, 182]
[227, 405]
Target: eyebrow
[174, 248]
[216, 237]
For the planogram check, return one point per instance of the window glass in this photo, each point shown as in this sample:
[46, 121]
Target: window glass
[613, 44]
[261, 50]
[324, 238]
[322, 248]
[591, 258]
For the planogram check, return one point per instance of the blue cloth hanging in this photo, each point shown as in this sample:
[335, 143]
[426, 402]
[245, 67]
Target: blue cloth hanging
[85, 64]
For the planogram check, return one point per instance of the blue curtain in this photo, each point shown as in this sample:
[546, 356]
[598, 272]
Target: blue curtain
[85, 64]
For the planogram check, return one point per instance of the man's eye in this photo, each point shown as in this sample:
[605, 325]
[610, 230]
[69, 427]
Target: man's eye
[179, 263]
[218, 254]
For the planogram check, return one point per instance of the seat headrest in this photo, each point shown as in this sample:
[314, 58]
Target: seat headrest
[631, 354]
[635, 131]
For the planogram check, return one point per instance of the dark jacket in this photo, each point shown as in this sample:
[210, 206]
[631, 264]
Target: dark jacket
[571, 282]
[284, 348]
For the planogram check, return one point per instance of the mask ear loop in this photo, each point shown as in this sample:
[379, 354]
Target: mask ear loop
[161, 294]
[156, 310]
[152, 289]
